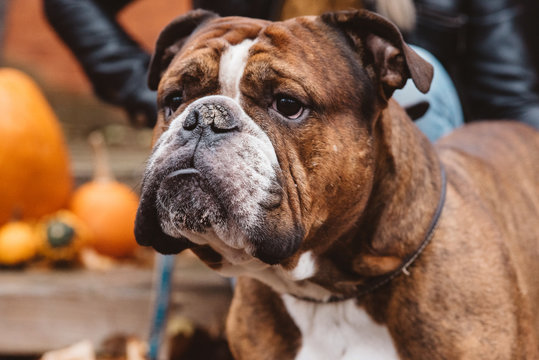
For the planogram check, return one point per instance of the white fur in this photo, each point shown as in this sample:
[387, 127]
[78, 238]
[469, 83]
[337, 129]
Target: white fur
[339, 331]
[231, 67]
[305, 268]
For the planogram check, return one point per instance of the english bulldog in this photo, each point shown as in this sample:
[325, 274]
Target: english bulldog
[280, 158]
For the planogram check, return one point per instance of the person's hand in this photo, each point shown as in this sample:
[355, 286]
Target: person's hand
[141, 108]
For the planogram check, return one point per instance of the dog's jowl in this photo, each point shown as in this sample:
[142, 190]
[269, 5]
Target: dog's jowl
[280, 158]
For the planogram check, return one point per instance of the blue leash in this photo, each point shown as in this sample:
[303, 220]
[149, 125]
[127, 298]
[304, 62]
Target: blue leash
[163, 269]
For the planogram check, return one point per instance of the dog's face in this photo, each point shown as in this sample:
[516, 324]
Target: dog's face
[264, 144]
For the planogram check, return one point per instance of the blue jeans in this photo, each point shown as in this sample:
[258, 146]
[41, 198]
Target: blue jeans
[445, 111]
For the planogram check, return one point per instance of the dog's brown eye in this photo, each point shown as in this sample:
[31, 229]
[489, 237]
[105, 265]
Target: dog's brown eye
[289, 107]
[172, 103]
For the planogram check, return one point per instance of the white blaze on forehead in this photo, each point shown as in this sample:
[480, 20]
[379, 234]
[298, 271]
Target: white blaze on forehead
[231, 67]
[305, 268]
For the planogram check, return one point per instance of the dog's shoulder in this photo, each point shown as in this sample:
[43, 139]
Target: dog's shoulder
[497, 143]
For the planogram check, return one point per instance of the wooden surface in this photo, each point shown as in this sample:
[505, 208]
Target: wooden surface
[41, 310]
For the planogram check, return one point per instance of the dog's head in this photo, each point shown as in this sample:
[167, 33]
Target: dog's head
[264, 138]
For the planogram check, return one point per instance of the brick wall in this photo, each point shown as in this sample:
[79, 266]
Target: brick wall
[31, 44]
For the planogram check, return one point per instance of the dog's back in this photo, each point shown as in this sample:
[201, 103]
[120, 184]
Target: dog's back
[496, 165]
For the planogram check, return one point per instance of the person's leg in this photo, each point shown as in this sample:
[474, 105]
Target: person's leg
[445, 111]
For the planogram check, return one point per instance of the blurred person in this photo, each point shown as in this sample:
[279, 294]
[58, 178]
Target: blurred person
[481, 43]
[113, 62]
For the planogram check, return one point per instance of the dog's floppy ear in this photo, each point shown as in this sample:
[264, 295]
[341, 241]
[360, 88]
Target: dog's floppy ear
[171, 40]
[374, 36]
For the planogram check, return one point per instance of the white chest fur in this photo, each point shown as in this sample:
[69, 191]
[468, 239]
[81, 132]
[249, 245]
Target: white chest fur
[339, 331]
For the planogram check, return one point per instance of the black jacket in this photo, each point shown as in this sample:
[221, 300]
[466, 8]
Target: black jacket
[114, 63]
[481, 44]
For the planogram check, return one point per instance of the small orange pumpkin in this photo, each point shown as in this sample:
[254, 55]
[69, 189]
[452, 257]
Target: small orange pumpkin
[107, 206]
[35, 176]
[18, 243]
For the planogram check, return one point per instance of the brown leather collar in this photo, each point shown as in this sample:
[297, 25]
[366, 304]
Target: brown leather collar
[379, 281]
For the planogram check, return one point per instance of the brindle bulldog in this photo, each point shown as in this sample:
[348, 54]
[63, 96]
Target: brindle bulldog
[281, 158]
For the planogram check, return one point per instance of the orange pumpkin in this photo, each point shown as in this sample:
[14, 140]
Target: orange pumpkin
[107, 206]
[35, 176]
[18, 243]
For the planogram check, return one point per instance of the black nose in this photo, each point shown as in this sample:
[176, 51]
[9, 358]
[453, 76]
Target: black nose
[215, 116]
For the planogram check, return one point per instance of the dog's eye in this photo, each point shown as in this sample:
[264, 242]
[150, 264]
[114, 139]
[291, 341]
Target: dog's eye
[172, 103]
[289, 107]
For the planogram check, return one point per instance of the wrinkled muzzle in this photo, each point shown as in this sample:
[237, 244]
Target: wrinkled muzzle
[214, 178]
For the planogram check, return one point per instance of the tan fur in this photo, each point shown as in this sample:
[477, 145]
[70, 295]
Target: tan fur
[473, 293]
[363, 183]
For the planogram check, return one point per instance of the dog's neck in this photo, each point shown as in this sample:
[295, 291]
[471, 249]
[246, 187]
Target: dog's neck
[406, 192]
